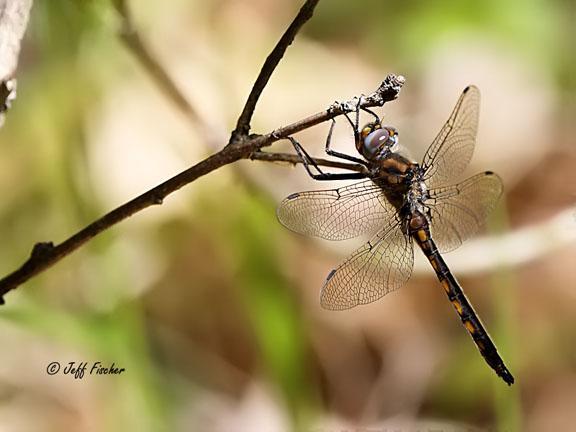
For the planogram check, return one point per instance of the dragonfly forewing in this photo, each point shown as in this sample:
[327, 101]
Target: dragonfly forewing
[451, 151]
[336, 214]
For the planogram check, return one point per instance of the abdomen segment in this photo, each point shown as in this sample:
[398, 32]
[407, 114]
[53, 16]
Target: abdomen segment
[468, 316]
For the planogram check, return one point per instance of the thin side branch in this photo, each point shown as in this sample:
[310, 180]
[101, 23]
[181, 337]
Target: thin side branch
[131, 37]
[295, 159]
[243, 123]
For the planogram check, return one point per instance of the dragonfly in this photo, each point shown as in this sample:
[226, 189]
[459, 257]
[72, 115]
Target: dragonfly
[400, 203]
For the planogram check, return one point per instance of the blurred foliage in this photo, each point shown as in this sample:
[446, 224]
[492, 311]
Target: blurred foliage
[253, 235]
[406, 32]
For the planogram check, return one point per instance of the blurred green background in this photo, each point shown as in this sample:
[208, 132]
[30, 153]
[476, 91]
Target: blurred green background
[210, 305]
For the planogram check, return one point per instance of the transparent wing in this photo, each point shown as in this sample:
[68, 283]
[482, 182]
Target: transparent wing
[378, 267]
[452, 149]
[458, 211]
[336, 214]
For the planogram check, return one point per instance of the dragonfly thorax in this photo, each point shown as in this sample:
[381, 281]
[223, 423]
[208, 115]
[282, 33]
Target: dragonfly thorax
[418, 192]
[416, 197]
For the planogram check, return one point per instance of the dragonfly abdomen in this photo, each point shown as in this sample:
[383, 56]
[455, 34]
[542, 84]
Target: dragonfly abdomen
[461, 304]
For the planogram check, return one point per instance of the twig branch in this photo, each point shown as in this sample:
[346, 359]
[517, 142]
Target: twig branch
[136, 45]
[240, 146]
[295, 159]
[243, 123]
[45, 254]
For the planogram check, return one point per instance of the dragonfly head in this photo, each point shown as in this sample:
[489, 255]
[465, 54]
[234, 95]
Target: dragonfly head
[377, 141]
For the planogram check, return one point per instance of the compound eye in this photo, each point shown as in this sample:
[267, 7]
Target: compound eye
[379, 139]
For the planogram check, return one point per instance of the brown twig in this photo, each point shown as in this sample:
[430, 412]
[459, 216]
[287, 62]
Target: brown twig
[295, 159]
[243, 123]
[240, 146]
[136, 45]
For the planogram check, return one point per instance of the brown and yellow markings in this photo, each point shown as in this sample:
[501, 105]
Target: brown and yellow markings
[469, 326]
[369, 128]
[434, 262]
[422, 236]
[446, 285]
[458, 306]
[395, 165]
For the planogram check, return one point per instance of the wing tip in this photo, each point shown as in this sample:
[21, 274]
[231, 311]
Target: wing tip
[324, 302]
[292, 196]
[280, 210]
[496, 178]
[334, 303]
[331, 306]
[330, 275]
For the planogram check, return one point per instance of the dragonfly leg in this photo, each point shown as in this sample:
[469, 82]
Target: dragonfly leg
[338, 154]
[356, 123]
[376, 118]
[308, 162]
